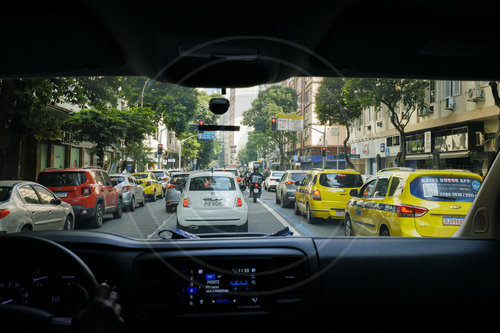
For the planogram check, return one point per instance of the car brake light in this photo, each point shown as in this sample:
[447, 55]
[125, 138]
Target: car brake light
[171, 185]
[239, 203]
[164, 178]
[186, 202]
[148, 184]
[289, 182]
[4, 213]
[256, 185]
[316, 195]
[86, 190]
[410, 211]
[125, 188]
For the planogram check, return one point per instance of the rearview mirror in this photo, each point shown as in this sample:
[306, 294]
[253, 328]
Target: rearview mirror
[218, 105]
[353, 192]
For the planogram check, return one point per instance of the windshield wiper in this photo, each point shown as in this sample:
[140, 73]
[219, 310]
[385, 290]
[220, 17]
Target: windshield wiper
[181, 234]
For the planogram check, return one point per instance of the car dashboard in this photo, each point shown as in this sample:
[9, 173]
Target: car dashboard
[274, 283]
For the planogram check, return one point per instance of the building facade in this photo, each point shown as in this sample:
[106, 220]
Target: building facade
[459, 124]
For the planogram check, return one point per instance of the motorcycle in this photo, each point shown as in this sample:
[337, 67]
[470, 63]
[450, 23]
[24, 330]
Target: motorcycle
[255, 191]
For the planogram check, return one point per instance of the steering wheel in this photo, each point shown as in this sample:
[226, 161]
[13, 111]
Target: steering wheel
[24, 318]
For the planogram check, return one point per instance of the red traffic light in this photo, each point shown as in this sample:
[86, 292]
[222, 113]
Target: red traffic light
[160, 146]
[201, 122]
[273, 120]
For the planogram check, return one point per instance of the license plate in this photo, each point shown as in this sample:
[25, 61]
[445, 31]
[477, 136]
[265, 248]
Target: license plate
[255, 190]
[212, 203]
[340, 213]
[61, 194]
[453, 220]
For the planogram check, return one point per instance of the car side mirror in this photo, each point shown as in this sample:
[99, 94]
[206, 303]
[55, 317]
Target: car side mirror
[297, 183]
[353, 192]
[56, 201]
[114, 182]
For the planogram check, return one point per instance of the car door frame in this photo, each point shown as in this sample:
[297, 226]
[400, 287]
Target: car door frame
[56, 214]
[110, 197]
[376, 208]
[300, 193]
[36, 213]
[361, 205]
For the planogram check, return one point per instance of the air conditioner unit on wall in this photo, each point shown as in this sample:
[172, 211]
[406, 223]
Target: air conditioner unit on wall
[475, 95]
[379, 124]
[450, 103]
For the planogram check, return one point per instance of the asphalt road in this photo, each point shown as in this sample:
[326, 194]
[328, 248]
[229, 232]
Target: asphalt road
[264, 216]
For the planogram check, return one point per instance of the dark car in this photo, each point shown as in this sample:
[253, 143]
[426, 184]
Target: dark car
[174, 190]
[285, 190]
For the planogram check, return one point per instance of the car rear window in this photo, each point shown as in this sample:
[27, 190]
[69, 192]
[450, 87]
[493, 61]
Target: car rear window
[212, 183]
[298, 176]
[341, 180]
[5, 192]
[159, 174]
[179, 179]
[277, 174]
[440, 188]
[119, 179]
[141, 175]
[52, 179]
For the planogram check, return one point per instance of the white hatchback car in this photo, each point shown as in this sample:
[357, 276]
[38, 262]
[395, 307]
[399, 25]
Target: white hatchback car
[273, 180]
[212, 201]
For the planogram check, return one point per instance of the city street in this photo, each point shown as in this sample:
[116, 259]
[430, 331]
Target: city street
[264, 216]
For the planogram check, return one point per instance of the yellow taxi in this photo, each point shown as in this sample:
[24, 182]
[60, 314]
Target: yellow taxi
[152, 185]
[323, 194]
[411, 203]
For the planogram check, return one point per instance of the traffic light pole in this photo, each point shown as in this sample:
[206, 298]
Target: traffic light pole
[324, 143]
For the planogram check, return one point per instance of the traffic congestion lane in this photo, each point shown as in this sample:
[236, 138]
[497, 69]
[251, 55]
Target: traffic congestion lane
[321, 228]
[145, 222]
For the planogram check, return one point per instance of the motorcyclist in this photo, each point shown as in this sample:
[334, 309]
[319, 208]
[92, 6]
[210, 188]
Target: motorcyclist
[256, 178]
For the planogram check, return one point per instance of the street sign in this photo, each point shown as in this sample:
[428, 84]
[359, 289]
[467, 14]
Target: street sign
[290, 123]
[335, 131]
[206, 135]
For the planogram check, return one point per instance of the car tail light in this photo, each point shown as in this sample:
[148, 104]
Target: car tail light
[86, 190]
[171, 185]
[256, 185]
[239, 203]
[164, 178]
[289, 182]
[125, 188]
[410, 211]
[316, 195]
[4, 213]
[148, 184]
[238, 179]
[186, 202]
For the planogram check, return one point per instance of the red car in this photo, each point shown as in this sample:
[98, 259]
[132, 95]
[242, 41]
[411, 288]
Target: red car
[91, 192]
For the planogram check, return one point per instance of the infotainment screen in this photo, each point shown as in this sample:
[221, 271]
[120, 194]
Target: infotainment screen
[221, 286]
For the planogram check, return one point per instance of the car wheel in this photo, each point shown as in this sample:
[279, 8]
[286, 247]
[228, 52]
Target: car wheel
[153, 198]
[119, 210]
[98, 216]
[143, 202]
[161, 194]
[385, 232]
[26, 228]
[309, 216]
[278, 201]
[283, 202]
[348, 231]
[68, 223]
[131, 207]
[296, 208]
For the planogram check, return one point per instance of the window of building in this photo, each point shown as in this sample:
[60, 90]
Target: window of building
[452, 88]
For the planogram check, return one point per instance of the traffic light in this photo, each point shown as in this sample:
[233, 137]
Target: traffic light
[160, 149]
[323, 151]
[201, 123]
[273, 124]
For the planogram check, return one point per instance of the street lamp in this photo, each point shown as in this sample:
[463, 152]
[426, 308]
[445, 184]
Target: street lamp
[180, 147]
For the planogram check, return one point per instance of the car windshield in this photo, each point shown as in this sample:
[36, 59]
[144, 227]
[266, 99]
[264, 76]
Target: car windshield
[341, 180]
[5, 192]
[398, 129]
[212, 183]
[52, 179]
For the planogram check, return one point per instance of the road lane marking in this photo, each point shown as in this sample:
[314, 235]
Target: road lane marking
[160, 227]
[279, 217]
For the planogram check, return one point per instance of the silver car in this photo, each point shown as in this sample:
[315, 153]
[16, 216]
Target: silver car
[285, 190]
[132, 191]
[29, 206]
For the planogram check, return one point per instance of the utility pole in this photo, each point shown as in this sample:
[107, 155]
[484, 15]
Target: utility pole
[324, 142]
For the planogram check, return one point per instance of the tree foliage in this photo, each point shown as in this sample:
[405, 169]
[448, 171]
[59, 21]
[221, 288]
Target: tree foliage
[271, 102]
[337, 104]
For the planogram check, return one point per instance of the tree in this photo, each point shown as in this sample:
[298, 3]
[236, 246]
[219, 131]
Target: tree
[270, 103]
[396, 94]
[335, 104]
[25, 117]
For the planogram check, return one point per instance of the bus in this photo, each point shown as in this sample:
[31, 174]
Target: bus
[258, 164]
